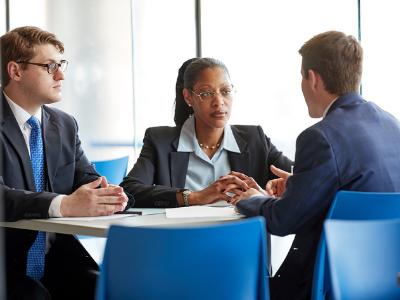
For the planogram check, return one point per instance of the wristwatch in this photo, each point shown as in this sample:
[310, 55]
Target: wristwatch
[185, 194]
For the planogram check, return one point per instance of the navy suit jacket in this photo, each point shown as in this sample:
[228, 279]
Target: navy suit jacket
[160, 172]
[67, 168]
[356, 147]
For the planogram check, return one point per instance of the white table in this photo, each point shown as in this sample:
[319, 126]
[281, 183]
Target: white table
[150, 218]
[99, 228]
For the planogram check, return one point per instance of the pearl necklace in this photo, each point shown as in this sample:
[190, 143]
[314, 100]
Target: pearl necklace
[209, 147]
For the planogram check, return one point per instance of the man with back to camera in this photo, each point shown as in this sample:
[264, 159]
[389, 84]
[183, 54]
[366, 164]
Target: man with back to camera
[355, 147]
[45, 173]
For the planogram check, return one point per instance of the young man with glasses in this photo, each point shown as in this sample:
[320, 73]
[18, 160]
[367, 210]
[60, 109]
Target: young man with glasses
[45, 173]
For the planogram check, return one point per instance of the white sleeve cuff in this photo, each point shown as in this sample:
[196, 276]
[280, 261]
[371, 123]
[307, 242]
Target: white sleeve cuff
[54, 210]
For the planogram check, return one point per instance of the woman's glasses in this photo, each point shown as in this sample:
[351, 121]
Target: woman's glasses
[227, 94]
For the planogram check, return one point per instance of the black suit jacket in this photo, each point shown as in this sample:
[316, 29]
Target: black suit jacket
[67, 169]
[160, 172]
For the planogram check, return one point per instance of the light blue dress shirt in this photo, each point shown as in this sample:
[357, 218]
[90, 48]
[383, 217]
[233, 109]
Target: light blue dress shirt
[203, 171]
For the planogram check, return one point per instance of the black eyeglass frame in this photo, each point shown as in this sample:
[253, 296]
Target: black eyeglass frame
[48, 66]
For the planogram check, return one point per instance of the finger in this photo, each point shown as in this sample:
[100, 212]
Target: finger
[280, 173]
[110, 191]
[221, 197]
[112, 200]
[117, 186]
[274, 182]
[250, 180]
[236, 191]
[230, 187]
[110, 208]
[104, 182]
[272, 191]
[238, 175]
[234, 200]
[239, 183]
[94, 184]
[272, 185]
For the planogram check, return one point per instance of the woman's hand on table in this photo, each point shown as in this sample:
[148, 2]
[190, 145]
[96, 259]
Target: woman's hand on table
[217, 191]
[252, 184]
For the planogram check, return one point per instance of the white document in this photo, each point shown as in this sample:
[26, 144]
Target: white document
[118, 216]
[201, 212]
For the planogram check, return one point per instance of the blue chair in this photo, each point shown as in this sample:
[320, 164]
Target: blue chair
[222, 261]
[364, 258]
[114, 170]
[351, 206]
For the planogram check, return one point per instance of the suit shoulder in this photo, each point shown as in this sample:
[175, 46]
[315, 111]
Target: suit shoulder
[247, 129]
[163, 130]
[163, 133]
[57, 114]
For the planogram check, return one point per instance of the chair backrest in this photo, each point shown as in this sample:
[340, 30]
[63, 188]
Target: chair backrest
[222, 261]
[349, 205]
[364, 258]
[114, 170]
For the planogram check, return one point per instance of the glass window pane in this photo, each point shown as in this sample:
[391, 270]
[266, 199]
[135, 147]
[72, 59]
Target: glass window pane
[164, 38]
[259, 43]
[379, 37]
[98, 90]
[2, 17]
[28, 13]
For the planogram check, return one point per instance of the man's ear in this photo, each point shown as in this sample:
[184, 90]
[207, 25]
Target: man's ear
[315, 80]
[14, 70]
[188, 97]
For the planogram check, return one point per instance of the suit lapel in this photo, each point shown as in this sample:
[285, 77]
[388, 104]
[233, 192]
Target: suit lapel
[179, 165]
[52, 146]
[13, 133]
[240, 162]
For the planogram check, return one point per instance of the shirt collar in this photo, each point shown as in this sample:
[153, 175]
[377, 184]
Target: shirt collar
[20, 114]
[188, 141]
[327, 109]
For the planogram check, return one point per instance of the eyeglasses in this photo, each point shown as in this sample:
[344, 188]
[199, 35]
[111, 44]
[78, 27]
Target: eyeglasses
[225, 94]
[51, 68]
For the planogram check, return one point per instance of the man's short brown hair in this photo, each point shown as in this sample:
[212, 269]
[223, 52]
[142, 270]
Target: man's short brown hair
[19, 45]
[337, 58]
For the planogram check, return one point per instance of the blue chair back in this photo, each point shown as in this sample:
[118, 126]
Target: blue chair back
[222, 261]
[114, 170]
[349, 205]
[364, 258]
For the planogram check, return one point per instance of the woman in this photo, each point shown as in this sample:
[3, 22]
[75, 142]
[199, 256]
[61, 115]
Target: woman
[183, 165]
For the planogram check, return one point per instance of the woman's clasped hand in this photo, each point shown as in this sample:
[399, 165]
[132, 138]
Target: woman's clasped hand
[221, 189]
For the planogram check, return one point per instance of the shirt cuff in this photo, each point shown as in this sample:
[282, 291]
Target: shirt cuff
[54, 210]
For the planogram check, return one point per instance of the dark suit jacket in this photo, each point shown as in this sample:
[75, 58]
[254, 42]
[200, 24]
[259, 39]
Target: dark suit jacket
[355, 147]
[67, 169]
[160, 172]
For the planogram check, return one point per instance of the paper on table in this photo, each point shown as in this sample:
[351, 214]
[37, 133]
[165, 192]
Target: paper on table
[200, 211]
[92, 218]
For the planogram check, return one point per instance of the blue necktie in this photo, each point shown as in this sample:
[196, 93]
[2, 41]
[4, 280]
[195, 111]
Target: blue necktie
[36, 254]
